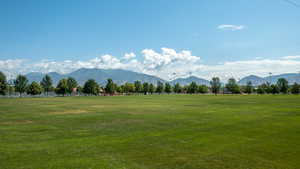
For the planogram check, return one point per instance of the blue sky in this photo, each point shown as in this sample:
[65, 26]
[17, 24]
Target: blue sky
[218, 32]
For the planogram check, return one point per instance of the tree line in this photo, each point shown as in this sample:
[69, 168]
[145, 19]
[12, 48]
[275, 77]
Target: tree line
[69, 86]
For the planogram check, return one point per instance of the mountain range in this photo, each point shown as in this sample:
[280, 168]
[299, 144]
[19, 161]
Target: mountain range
[188, 80]
[120, 76]
[256, 80]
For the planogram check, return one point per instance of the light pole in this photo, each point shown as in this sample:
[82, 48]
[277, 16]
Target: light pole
[299, 77]
[173, 76]
[270, 77]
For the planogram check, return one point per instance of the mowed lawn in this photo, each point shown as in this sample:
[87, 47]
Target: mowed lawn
[151, 132]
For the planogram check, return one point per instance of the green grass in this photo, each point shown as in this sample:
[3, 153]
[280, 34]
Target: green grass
[151, 132]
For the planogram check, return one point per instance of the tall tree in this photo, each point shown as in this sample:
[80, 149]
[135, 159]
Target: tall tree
[72, 84]
[151, 88]
[138, 86]
[264, 88]
[119, 89]
[274, 89]
[192, 88]
[10, 89]
[159, 87]
[46, 83]
[62, 87]
[3, 84]
[215, 85]
[128, 88]
[249, 87]
[283, 85]
[79, 90]
[34, 89]
[232, 86]
[145, 88]
[202, 89]
[261, 89]
[110, 87]
[295, 89]
[177, 88]
[21, 84]
[168, 88]
[91, 87]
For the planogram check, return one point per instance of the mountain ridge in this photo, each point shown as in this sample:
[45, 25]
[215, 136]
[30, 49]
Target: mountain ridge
[121, 76]
[257, 80]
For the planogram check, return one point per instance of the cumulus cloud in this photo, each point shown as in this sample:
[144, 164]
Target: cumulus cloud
[239, 69]
[291, 57]
[11, 67]
[166, 63]
[231, 27]
[128, 56]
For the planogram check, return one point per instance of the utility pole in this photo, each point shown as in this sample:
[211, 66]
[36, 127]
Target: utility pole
[270, 77]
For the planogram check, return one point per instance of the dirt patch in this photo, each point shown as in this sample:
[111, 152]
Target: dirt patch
[78, 111]
[17, 122]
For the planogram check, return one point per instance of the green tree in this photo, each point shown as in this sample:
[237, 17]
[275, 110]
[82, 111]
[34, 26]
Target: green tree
[159, 87]
[168, 88]
[3, 84]
[72, 84]
[62, 87]
[79, 90]
[21, 84]
[215, 85]
[128, 88]
[138, 86]
[151, 88]
[267, 87]
[192, 88]
[295, 89]
[274, 89]
[264, 88]
[184, 89]
[91, 87]
[283, 85]
[10, 89]
[261, 89]
[202, 89]
[110, 87]
[145, 88]
[34, 89]
[249, 88]
[46, 83]
[177, 88]
[232, 86]
[119, 89]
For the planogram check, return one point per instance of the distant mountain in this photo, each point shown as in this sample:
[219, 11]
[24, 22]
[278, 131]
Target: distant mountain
[188, 80]
[256, 80]
[37, 76]
[119, 76]
[291, 77]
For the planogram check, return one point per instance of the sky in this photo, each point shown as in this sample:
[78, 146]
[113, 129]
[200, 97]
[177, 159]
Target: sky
[165, 38]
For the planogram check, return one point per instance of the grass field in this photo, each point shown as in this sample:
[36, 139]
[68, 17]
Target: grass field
[151, 132]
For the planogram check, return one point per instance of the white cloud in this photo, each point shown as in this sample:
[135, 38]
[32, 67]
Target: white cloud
[128, 56]
[231, 27]
[239, 69]
[11, 67]
[154, 60]
[167, 64]
[291, 57]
